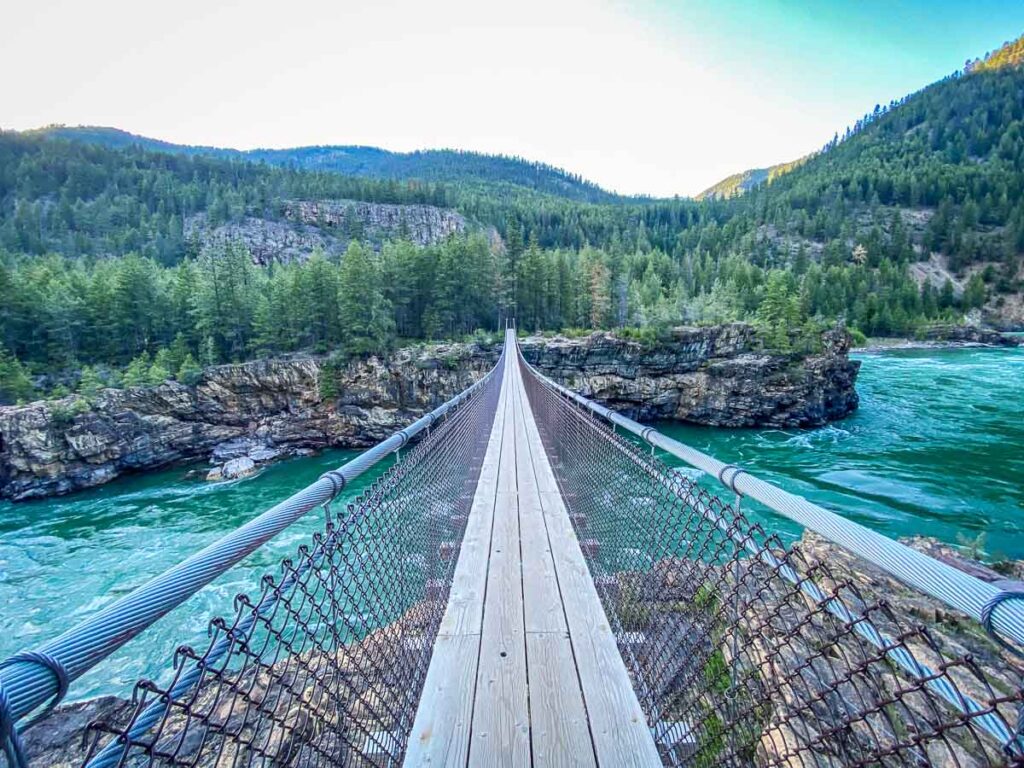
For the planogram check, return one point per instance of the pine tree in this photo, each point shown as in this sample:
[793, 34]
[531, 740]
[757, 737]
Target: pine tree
[89, 383]
[600, 295]
[157, 374]
[15, 384]
[946, 295]
[974, 292]
[366, 322]
[189, 373]
[780, 312]
[137, 372]
[209, 355]
[226, 298]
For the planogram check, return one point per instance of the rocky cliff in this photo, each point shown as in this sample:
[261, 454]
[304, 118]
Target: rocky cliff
[262, 410]
[719, 376]
[267, 241]
[422, 224]
[328, 225]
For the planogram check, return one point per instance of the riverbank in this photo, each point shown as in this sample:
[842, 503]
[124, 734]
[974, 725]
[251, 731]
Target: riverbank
[946, 337]
[240, 417]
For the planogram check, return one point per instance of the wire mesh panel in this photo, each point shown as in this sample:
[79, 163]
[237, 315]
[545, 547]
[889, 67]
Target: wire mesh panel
[326, 664]
[744, 651]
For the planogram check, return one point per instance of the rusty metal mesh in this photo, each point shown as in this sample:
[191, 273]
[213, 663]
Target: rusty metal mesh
[326, 664]
[745, 651]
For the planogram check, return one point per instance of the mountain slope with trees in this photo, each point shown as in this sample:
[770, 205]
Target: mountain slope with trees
[914, 216]
[434, 165]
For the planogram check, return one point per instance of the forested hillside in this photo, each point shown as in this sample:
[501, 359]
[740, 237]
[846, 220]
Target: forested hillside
[78, 199]
[435, 165]
[915, 215]
[1010, 54]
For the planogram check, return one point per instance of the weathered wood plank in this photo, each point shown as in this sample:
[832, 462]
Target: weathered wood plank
[559, 731]
[440, 733]
[617, 722]
[464, 612]
[501, 719]
[501, 711]
[542, 601]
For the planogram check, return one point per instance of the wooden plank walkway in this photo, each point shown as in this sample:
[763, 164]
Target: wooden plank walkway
[525, 670]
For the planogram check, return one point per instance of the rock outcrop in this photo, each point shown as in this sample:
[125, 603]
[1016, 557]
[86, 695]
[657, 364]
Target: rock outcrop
[329, 225]
[266, 240]
[49, 448]
[936, 634]
[971, 335]
[271, 408]
[375, 222]
[718, 376]
[813, 690]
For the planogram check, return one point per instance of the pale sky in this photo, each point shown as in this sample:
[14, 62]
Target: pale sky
[657, 97]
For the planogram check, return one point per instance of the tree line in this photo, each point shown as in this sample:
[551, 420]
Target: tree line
[137, 320]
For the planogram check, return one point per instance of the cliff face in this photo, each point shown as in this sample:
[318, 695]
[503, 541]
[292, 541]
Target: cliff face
[422, 224]
[266, 409]
[266, 240]
[718, 376]
[263, 409]
[329, 225]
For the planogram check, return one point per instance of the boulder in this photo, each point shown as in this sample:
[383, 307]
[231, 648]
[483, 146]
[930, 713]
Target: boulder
[243, 466]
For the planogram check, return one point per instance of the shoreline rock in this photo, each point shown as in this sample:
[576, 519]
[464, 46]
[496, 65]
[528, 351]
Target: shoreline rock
[947, 337]
[235, 469]
[269, 409]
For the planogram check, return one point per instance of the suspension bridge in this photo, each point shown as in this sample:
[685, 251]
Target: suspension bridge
[529, 583]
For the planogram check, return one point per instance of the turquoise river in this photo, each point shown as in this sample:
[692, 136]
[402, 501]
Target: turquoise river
[937, 448]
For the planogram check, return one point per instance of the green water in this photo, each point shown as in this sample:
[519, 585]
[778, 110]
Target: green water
[936, 448]
[63, 559]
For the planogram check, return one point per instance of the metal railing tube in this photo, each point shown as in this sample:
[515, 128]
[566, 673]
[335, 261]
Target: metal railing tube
[29, 684]
[955, 588]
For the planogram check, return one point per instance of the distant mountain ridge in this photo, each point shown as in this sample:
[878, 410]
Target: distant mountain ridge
[738, 183]
[432, 165]
[1010, 54]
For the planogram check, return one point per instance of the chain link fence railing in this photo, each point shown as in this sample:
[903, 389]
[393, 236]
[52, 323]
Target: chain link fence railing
[325, 665]
[744, 651]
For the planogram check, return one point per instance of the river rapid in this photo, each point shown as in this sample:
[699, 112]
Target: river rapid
[936, 448]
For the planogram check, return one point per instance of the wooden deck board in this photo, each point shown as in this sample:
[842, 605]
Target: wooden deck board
[560, 733]
[440, 734]
[464, 612]
[559, 730]
[525, 670]
[501, 716]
